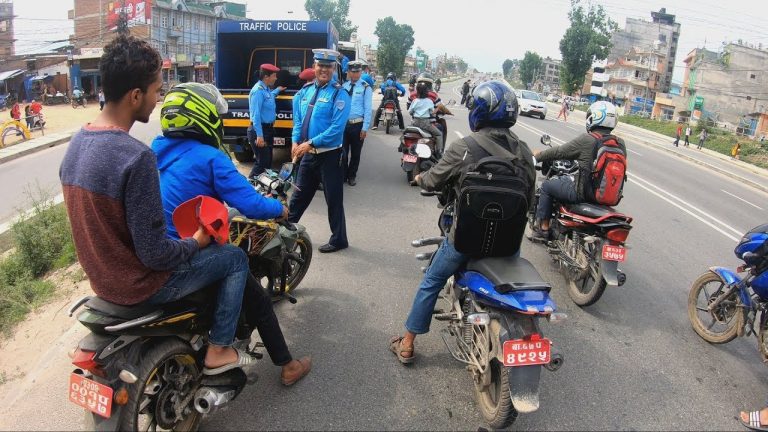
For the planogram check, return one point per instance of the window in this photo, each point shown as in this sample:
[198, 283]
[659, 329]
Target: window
[174, 21]
[164, 21]
[752, 76]
[662, 37]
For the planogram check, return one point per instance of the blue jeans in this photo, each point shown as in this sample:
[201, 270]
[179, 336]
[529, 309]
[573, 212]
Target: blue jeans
[445, 263]
[562, 189]
[228, 264]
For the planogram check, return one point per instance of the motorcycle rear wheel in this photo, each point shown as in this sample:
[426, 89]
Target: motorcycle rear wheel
[494, 401]
[587, 291]
[168, 359]
[729, 314]
[388, 123]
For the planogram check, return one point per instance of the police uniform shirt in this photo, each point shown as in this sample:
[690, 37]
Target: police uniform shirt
[362, 99]
[329, 115]
[261, 102]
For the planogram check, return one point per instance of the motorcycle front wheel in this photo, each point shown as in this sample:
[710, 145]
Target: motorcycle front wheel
[494, 400]
[303, 249]
[722, 324]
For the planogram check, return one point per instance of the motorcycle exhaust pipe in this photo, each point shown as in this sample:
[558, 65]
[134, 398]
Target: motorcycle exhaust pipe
[622, 277]
[208, 399]
[555, 362]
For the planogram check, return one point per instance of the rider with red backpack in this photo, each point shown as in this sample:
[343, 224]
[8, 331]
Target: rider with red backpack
[602, 159]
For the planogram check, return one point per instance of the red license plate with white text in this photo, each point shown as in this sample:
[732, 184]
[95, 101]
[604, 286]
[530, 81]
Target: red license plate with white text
[614, 253]
[90, 395]
[410, 158]
[526, 352]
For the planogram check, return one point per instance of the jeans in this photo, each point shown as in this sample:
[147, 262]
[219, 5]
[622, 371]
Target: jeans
[263, 155]
[445, 263]
[561, 188]
[259, 313]
[399, 113]
[227, 264]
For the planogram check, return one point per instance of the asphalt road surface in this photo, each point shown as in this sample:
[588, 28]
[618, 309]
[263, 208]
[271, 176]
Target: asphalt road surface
[632, 361]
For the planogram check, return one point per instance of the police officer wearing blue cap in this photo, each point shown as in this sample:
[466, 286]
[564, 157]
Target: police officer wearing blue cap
[320, 112]
[359, 118]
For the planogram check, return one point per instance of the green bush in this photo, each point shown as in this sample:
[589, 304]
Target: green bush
[13, 270]
[44, 241]
[16, 301]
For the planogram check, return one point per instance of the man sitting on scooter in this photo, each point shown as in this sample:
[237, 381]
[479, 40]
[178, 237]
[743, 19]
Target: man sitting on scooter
[601, 119]
[191, 163]
[390, 89]
[493, 111]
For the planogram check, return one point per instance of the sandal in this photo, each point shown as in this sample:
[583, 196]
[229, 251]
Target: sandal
[395, 345]
[243, 359]
[754, 422]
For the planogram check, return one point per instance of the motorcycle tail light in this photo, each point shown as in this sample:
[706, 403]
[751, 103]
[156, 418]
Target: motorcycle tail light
[410, 143]
[86, 360]
[618, 235]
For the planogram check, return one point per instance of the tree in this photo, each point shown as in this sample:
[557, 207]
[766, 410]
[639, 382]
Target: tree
[335, 11]
[122, 21]
[461, 65]
[586, 40]
[530, 67]
[395, 40]
[507, 67]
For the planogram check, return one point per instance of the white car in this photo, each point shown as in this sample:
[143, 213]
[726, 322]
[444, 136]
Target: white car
[531, 104]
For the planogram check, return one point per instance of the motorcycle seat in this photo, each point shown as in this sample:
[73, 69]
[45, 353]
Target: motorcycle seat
[119, 311]
[593, 211]
[510, 274]
[418, 130]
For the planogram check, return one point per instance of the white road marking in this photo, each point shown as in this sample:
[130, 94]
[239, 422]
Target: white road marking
[741, 199]
[539, 132]
[630, 150]
[459, 134]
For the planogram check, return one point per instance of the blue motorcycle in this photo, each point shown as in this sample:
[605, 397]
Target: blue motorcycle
[493, 308]
[723, 305]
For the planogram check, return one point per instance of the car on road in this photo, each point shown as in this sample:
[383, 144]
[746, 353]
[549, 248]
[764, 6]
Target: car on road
[553, 97]
[531, 103]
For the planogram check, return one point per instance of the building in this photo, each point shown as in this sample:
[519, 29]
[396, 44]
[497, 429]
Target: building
[728, 87]
[660, 34]
[635, 78]
[183, 31]
[7, 39]
[550, 75]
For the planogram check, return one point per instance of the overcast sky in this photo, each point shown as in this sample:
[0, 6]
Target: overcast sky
[483, 32]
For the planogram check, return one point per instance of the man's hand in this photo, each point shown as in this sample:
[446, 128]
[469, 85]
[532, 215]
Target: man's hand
[536, 153]
[417, 178]
[201, 237]
[301, 150]
[283, 216]
[260, 142]
[363, 134]
[282, 88]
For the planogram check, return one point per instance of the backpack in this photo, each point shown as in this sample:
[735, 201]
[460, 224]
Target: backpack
[492, 199]
[609, 171]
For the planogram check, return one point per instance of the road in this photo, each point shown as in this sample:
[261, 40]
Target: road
[632, 361]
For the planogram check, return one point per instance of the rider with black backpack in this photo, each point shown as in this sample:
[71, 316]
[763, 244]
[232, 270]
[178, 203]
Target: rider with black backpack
[602, 159]
[490, 178]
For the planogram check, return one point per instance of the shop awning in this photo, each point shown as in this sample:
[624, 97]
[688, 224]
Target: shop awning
[10, 74]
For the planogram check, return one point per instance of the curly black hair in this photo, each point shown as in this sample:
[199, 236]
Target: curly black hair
[128, 63]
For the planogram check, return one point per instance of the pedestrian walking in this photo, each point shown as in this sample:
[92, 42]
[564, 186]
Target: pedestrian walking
[678, 134]
[102, 100]
[320, 112]
[464, 92]
[687, 135]
[563, 110]
[361, 95]
[702, 138]
[263, 110]
[736, 150]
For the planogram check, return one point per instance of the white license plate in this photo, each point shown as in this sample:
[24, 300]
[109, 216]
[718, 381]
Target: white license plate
[278, 141]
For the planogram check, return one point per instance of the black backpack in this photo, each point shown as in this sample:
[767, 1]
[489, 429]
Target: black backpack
[491, 204]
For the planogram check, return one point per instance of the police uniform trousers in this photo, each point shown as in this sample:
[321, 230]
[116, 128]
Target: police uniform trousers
[353, 146]
[262, 155]
[327, 167]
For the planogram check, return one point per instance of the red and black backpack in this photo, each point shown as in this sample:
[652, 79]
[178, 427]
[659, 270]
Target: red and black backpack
[609, 171]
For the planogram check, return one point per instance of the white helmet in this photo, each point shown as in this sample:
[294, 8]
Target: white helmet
[602, 114]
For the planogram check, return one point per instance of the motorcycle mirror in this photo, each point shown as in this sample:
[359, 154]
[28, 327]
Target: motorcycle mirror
[285, 171]
[546, 140]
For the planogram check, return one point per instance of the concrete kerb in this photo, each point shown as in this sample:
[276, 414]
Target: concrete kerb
[731, 174]
[34, 145]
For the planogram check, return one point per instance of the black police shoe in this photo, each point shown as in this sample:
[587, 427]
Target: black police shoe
[328, 248]
[352, 181]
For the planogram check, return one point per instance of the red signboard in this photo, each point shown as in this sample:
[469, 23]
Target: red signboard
[136, 12]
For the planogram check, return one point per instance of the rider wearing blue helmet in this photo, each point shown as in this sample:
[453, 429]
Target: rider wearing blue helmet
[493, 110]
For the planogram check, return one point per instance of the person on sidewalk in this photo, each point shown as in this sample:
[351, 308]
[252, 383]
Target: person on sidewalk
[356, 130]
[563, 110]
[112, 195]
[191, 163]
[735, 151]
[102, 101]
[678, 134]
[688, 135]
[702, 138]
[263, 111]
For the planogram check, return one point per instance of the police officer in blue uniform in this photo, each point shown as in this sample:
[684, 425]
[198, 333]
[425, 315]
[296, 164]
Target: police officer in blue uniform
[359, 118]
[261, 103]
[320, 112]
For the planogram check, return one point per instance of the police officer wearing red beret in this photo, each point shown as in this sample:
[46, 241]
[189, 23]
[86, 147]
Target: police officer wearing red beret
[263, 110]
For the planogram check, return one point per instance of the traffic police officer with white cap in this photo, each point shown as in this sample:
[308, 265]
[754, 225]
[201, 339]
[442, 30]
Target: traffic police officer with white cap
[359, 118]
[320, 112]
[263, 110]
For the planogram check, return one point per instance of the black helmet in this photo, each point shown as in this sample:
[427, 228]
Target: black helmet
[492, 104]
[391, 75]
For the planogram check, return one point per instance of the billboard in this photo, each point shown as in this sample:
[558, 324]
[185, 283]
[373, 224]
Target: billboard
[136, 12]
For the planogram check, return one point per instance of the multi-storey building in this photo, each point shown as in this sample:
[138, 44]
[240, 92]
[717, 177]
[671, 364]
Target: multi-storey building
[7, 40]
[183, 31]
[550, 75]
[635, 78]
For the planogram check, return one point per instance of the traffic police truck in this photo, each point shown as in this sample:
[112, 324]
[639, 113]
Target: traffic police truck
[244, 45]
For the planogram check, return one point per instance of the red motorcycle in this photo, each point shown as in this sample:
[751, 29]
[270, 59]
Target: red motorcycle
[388, 114]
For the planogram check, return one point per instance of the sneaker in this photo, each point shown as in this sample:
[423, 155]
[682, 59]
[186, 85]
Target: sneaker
[540, 236]
[374, 128]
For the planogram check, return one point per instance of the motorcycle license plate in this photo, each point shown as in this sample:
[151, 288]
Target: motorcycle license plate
[614, 253]
[90, 395]
[525, 352]
[279, 141]
[409, 158]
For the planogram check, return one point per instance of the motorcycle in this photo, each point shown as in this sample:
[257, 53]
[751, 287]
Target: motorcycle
[493, 308]
[279, 254]
[79, 101]
[420, 150]
[388, 114]
[731, 303]
[589, 239]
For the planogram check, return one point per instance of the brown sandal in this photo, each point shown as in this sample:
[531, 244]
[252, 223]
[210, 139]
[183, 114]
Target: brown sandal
[396, 346]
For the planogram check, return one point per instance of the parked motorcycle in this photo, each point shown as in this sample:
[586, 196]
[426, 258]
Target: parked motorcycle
[722, 305]
[493, 308]
[589, 239]
[279, 254]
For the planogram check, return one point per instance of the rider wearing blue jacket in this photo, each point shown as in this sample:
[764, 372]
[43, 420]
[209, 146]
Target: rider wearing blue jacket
[390, 89]
[191, 163]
